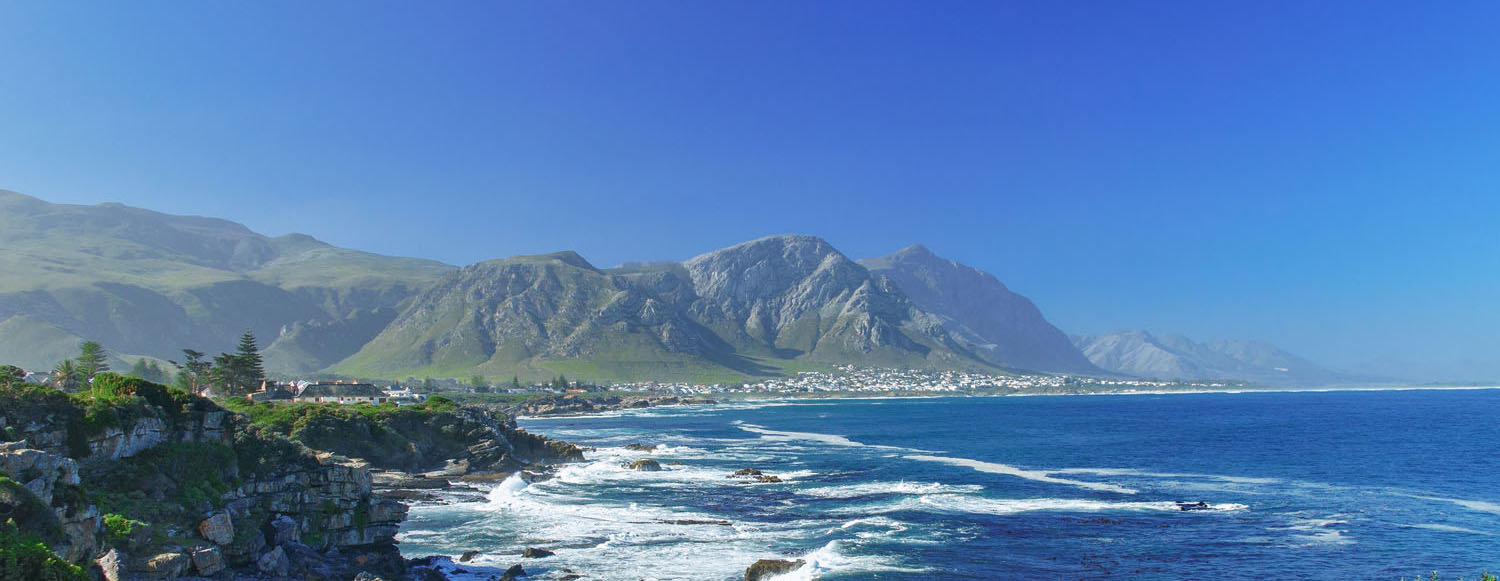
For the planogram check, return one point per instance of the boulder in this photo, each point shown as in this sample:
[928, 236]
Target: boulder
[646, 465]
[640, 447]
[767, 478]
[282, 530]
[274, 563]
[468, 556]
[207, 561]
[112, 565]
[746, 472]
[217, 528]
[535, 553]
[513, 573]
[166, 566]
[768, 568]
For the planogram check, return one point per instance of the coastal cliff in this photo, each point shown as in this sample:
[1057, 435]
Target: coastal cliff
[137, 480]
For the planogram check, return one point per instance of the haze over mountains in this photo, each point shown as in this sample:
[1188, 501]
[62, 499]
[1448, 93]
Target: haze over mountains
[1171, 356]
[149, 284]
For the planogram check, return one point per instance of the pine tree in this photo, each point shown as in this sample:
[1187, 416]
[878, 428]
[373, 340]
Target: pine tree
[252, 368]
[91, 360]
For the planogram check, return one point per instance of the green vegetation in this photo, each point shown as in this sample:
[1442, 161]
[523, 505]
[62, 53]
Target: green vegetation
[118, 529]
[24, 557]
[389, 436]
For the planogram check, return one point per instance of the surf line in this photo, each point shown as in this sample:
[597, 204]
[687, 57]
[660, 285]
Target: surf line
[1006, 469]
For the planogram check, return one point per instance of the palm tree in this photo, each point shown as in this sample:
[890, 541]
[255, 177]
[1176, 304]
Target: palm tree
[66, 376]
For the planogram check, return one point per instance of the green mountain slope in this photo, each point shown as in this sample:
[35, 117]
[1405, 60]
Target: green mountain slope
[147, 283]
[760, 308]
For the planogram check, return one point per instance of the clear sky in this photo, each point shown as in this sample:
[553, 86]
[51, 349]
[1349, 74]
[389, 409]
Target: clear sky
[1321, 175]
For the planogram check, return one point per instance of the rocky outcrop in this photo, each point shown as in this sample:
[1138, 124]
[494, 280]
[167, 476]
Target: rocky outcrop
[217, 495]
[644, 465]
[51, 498]
[765, 569]
[452, 439]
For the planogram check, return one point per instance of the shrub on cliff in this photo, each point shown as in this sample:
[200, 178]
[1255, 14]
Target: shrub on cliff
[25, 557]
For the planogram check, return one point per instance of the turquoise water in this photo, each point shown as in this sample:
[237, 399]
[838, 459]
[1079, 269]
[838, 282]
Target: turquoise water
[1345, 485]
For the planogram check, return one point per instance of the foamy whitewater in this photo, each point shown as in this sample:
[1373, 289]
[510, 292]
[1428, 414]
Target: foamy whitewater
[1369, 485]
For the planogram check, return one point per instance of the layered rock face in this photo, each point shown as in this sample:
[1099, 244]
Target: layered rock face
[204, 492]
[998, 325]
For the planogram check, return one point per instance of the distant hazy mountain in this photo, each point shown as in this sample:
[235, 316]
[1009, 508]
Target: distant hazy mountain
[751, 309]
[1169, 356]
[146, 283]
[1000, 326]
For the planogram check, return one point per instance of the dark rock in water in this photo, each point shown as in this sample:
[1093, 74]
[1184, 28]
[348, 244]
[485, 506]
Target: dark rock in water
[535, 553]
[767, 478]
[484, 477]
[746, 472]
[570, 577]
[676, 463]
[768, 568]
[513, 573]
[1186, 506]
[640, 447]
[646, 465]
[468, 556]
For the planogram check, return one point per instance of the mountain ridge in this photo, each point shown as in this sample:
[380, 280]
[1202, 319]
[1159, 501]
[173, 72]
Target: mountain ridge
[1172, 356]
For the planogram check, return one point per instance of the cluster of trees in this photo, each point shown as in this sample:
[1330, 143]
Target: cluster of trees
[234, 374]
[230, 374]
[73, 374]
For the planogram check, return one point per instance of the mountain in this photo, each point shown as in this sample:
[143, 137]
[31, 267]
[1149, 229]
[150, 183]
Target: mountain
[767, 306]
[1169, 356]
[1000, 326]
[145, 283]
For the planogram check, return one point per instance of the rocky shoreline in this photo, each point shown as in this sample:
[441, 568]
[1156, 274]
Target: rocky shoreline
[140, 481]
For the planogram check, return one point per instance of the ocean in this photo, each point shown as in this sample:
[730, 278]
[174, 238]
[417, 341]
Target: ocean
[1326, 485]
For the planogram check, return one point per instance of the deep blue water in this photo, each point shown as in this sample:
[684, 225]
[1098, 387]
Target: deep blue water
[1327, 485]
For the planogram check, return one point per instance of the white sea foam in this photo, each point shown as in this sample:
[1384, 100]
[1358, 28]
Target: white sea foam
[878, 488]
[827, 439]
[1475, 505]
[963, 503]
[1145, 474]
[1449, 529]
[1006, 469]
[1321, 531]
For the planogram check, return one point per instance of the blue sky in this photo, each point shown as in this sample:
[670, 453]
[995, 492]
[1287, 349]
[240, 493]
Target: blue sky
[1321, 175]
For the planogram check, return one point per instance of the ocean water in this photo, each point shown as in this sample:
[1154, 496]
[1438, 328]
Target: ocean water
[1326, 485]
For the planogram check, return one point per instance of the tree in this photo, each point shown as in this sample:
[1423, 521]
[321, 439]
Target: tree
[247, 355]
[515, 381]
[92, 360]
[478, 383]
[194, 373]
[67, 377]
[428, 386]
